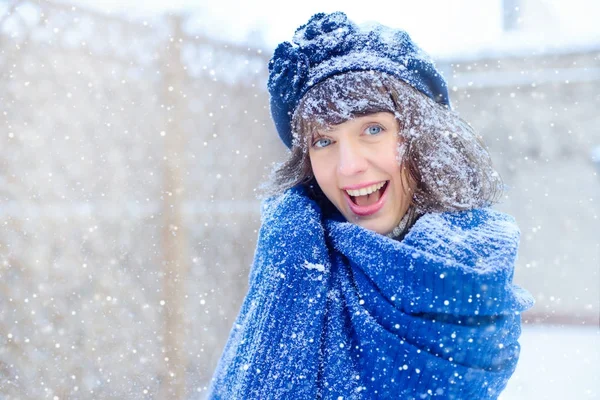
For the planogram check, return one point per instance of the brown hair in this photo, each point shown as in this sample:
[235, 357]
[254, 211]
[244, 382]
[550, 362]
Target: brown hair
[443, 155]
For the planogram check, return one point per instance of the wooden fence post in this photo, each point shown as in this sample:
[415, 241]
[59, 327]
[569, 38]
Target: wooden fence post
[174, 235]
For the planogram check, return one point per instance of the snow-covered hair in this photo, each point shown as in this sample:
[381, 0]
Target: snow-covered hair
[441, 152]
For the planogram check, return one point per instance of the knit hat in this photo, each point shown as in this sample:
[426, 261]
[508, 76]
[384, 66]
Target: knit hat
[331, 44]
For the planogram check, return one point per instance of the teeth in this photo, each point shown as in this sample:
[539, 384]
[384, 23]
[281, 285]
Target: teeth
[366, 190]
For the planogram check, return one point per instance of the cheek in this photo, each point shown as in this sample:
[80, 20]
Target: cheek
[314, 166]
[321, 170]
[317, 169]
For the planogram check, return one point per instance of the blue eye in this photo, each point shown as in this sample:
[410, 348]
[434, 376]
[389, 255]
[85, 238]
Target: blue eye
[373, 130]
[323, 142]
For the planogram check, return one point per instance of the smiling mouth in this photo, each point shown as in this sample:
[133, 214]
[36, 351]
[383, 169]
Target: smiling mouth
[366, 197]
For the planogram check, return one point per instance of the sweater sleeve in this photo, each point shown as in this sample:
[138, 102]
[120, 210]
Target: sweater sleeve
[463, 263]
[459, 263]
[273, 345]
[446, 292]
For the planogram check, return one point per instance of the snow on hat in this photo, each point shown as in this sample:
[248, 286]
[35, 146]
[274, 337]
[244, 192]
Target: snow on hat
[331, 44]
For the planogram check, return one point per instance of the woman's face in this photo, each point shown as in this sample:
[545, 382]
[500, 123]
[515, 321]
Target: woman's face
[356, 165]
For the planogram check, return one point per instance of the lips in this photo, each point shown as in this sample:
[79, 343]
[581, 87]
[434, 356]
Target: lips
[371, 209]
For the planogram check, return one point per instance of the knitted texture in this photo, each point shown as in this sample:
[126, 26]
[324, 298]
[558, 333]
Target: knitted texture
[330, 44]
[336, 311]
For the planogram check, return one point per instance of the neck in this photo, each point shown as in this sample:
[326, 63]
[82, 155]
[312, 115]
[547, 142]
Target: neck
[405, 224]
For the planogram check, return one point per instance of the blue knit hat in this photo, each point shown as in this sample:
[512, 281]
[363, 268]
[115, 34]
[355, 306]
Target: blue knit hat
[331, 44]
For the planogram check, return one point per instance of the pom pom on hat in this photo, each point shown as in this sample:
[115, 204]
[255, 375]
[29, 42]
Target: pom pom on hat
[331, 44]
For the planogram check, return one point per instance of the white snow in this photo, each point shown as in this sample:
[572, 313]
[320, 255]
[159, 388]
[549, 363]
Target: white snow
[557, 362]
[318, 267]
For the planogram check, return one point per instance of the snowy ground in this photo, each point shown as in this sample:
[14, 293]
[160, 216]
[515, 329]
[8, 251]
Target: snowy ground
[557, 363]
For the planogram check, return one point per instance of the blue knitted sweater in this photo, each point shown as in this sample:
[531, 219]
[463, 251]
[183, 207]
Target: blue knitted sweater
[336, 311]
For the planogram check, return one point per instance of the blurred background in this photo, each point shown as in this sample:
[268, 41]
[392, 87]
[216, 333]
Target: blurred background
[132, 140]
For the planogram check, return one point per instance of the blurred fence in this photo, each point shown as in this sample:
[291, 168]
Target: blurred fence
[538, 113]
[129, 157]
[129, 154]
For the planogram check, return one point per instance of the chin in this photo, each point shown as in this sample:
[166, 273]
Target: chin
[373, 225]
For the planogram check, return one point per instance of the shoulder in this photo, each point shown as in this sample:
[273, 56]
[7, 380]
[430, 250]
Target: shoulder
[291, 217]
[292, 204]
[474, 237]
[480, 220]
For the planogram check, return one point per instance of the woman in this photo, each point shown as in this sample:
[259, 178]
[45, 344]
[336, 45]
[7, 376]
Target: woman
[378, 273]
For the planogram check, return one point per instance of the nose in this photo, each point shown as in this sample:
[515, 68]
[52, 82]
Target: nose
[352, 158]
